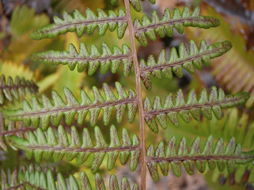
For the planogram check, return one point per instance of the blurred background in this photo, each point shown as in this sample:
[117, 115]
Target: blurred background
[234, 72]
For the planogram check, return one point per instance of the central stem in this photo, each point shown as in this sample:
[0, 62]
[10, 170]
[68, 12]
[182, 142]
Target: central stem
[139, 96]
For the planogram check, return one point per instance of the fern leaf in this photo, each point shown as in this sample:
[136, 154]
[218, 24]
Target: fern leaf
[9, 129]
[90, 61]
[150, 27]
[237, 74]
[173, 107]
[11, 90]
[204, 157]
[242, 175]
[36, 178]
[189, 58]
[59, 144]
[43, 111]
[85, 23]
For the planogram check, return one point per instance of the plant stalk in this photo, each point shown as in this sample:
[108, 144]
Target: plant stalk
[139, 97]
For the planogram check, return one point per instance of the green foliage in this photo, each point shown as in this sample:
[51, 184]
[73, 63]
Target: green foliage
[88, 23]
[9, 129]
[18, 34]
[150, 27]
[91, 60]
[233, 124]
[174, 106]
[43, 111]
[241, 175]
[11, 90]
[60, 145]
[18, 28]
[144, 28]
[190, 58]
[36, 178]
[10, 69]
[201, 156]
[55, 129]
[241, 60]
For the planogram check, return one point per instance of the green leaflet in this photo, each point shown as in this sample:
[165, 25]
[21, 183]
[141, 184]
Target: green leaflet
[37, 178]
[202, 156]
[60, 145]
[151, 27]
[176, 106]
[11, 128]
[190, 57]
[90, 61]
[44, 111]
[76, 22]
[11, 90]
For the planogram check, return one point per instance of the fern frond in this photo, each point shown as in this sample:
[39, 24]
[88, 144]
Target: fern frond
[201, 156]
[237, 74]
[9, 129]
[43, 111]
[90, 61]
[190, 58]
[40, 179]
[173, 107]
[150, 27]
[59, 144]
[242, 81]
[233, 124]
[242, 175]
[79, 23]
[11, 89]
[10, 132]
